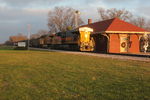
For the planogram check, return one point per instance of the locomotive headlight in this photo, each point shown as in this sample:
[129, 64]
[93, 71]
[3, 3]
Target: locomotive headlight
[86, 36]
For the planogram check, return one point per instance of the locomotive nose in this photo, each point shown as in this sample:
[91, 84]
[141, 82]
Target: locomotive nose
[85, 39]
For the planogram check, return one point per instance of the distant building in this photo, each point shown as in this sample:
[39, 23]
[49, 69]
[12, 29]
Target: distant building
[15, 39]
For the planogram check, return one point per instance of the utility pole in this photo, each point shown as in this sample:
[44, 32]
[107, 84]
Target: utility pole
[29, 33]
[76, 19]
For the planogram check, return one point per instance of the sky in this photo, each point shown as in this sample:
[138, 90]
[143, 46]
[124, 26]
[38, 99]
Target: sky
[15, 15]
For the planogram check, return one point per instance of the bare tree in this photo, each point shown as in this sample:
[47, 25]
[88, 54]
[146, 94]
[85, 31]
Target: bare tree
[42, 32]
[62, 19]
[139, 21]
[113, 12]
[148, 25]
[39, 34]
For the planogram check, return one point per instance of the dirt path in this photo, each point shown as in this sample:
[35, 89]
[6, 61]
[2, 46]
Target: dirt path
[137, 57]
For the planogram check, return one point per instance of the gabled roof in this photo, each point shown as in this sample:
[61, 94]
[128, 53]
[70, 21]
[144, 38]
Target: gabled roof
[17, 38]
[114, 24]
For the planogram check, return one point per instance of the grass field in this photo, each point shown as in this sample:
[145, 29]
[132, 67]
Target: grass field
[41, 75]
[4, 47]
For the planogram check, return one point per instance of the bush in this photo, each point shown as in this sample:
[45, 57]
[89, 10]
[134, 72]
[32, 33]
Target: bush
[20, 48]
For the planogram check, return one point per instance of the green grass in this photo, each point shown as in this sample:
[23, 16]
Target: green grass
[41, 75]
[5, 47]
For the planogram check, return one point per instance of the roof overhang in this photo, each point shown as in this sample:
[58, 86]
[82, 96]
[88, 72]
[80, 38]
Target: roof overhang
[123, 32]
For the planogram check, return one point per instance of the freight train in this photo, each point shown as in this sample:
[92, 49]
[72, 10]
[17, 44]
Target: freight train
[80, 39]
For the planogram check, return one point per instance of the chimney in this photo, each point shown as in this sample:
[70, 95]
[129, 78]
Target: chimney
[89, 21]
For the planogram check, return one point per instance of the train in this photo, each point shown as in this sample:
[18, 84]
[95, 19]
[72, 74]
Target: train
[80, 39]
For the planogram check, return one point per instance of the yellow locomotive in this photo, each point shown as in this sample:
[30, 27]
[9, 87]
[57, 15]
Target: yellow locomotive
[86, 42]
[70, 40]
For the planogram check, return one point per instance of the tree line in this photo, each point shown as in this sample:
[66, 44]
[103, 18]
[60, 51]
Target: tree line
[61, 18]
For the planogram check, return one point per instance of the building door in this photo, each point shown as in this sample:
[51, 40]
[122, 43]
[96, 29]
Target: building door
[123, 43]
[101, 43]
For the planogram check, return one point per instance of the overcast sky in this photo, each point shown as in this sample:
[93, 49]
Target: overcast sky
[16, 14]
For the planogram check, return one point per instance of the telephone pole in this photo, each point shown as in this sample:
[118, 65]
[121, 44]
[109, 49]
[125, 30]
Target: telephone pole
[29, 33]
[77, 19]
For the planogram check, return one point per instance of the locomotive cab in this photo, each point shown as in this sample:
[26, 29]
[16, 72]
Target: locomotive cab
[86, 42]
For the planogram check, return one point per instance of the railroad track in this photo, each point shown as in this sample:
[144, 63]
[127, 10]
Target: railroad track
[136, 57]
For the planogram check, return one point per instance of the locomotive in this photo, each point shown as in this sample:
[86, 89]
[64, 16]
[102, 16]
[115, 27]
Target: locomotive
[80, 39]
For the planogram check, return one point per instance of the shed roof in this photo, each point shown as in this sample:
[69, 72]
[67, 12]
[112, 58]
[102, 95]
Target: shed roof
[114, 24]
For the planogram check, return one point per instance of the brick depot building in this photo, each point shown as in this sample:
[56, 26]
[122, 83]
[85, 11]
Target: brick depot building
[116, 36]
